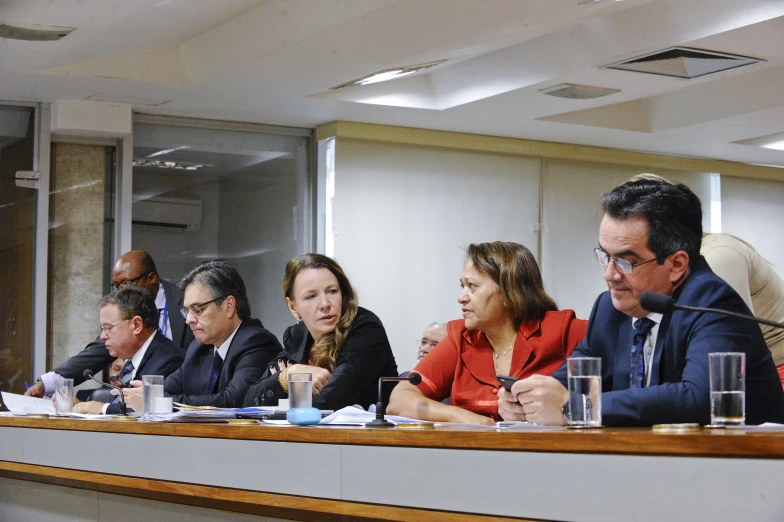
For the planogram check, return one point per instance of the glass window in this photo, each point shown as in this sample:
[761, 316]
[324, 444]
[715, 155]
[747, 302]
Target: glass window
[202, 194]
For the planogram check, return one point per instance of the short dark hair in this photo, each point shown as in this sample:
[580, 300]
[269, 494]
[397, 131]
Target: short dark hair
[514, 270]
[132, 301]
[672, 210]
[222, 280]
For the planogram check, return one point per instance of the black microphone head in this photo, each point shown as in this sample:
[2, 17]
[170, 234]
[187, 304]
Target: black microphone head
[414, 378]
[87, 374]
[657, 303]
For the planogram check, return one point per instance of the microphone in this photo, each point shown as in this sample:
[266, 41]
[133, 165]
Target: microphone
[380, 422]
[88, 374]
[665, 304]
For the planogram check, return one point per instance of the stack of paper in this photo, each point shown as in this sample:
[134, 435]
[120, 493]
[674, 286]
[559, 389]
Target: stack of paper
[22, 404]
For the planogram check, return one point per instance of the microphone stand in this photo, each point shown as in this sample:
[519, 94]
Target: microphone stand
[123, 408]
[665, 304]
[380, 422]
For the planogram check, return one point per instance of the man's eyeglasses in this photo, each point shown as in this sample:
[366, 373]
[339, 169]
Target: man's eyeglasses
[132, 282]
[622, 265]
[108, 327]
[197, 308]
[426, 342]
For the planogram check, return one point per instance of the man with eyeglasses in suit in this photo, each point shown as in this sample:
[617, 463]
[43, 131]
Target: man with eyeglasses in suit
[232, 350]
[134, 268]
[654, 366]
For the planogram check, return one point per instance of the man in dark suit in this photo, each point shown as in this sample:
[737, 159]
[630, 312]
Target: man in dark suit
[134, 268]
[654, 367]
[231, 351]
[129, 329]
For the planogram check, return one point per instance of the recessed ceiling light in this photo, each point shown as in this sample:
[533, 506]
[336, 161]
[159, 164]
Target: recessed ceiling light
[574, 91]
[388, 74]
[585, 2]
[33, 32]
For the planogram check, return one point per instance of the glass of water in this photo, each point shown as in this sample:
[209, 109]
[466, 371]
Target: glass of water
[727, 388]
[152, 387]
[585, 391]
[300, 390]
[63, 395]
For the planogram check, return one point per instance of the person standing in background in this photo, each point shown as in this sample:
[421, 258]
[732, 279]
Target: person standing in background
[749, 274]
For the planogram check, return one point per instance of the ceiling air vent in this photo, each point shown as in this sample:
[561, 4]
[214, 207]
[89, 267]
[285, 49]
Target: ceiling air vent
[574, 91]
[683, 62]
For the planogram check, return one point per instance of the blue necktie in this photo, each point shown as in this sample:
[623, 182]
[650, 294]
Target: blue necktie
[163, 316]
[641, 329]
[217, 365]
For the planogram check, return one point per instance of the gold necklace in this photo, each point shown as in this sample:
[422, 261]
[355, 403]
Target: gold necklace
[497, 356]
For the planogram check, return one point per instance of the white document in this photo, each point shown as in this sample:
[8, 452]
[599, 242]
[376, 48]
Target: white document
[355, 416]
[22, 404]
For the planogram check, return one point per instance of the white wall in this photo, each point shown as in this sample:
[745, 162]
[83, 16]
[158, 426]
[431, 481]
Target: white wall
[403, 216]
[753, 210]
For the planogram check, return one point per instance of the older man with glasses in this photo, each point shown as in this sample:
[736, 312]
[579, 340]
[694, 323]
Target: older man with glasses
[232, 350]
[134, 268]
[654, 366]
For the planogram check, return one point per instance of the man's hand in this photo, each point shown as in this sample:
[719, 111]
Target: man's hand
[36, 390]
[541, 399]
[91, 407]
[508, 407]
[134, 397]
[320, 375]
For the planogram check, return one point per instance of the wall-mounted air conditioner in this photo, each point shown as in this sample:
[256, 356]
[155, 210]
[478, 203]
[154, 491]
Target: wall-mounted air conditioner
[174, 214]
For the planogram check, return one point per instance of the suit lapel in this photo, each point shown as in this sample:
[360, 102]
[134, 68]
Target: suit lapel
[478, 359]
[149, 352]
[623, 355]
[661, 337]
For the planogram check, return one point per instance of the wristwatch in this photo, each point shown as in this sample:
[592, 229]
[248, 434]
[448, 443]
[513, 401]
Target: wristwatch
[566, 410]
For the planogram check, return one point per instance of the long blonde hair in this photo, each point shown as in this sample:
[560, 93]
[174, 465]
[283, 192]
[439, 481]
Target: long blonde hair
[325, 352]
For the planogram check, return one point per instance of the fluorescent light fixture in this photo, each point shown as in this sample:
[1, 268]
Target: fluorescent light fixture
[33, 32]
[168, 151]
[770, 141]
[167, 164]
[778, 145]
[587, 2]
[388, 74]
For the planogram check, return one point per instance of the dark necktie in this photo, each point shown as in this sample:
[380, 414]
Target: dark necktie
[163, 317]
[217, 365]
[641, 329]
[126, 372]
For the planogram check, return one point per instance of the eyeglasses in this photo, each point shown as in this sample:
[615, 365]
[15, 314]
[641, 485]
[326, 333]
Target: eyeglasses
[198, 308]
[132, 282]
[623, 265]
[108, 327]
[426, 342]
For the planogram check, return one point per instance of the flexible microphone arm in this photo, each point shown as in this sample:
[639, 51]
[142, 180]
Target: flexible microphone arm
[380, 422]
[123, 409]
[665, 304]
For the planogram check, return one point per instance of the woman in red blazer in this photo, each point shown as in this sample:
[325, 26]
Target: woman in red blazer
[510, 326]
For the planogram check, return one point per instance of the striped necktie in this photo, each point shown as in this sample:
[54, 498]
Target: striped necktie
[641, 329]
[217, 366]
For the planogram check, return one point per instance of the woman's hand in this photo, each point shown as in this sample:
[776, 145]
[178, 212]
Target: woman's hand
[320, 375]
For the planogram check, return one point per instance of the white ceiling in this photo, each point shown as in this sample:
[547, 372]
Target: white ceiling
[273, 61]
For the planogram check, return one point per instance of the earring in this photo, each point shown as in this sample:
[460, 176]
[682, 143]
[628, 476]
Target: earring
[299, 320]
